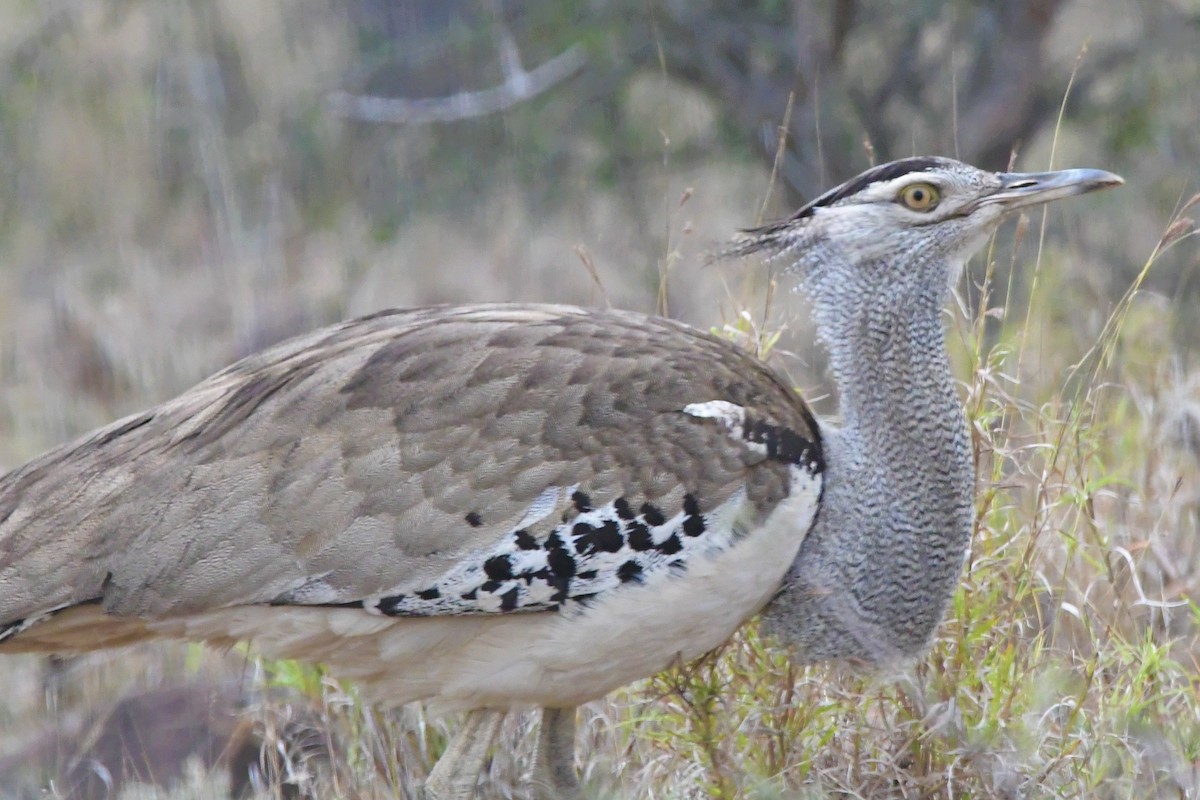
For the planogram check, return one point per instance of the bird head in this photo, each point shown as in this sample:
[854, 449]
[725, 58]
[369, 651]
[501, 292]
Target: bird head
[904, 226]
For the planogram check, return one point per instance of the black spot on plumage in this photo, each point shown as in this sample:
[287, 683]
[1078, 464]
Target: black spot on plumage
[526, 540]
[652, 514]
[671, 545]
[693, 520]
[391, 605]
[508, 600]
[586, 575]
[793, 448]
[498, 568]
[474, 520]
[560, 584]
[561, 562]
[630, 571]
[471, 595]
[604, 539]
[580, 531]
[621, 506]
[640, 538]
[582, 502]
[783, 444]
[490, 587]
[584, 599]
[429, 594]
[608, 536]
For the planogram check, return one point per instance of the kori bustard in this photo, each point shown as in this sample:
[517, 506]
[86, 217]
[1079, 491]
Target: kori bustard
[491, 507]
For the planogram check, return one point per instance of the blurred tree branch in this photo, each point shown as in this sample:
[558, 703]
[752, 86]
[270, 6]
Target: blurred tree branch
[519, 85]
[1000, 96]
[974, 78]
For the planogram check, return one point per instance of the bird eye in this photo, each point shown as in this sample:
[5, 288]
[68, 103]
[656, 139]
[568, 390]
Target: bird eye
[920, 196]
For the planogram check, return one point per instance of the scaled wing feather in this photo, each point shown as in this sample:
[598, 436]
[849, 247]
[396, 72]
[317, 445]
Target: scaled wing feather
[379, 454]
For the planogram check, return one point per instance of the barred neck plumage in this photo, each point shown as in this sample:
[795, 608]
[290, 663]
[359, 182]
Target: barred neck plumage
[888, 355]
[874, 574]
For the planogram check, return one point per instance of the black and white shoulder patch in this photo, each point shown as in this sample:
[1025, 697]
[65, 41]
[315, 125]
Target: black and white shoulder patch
[776, 442]
[596, 549]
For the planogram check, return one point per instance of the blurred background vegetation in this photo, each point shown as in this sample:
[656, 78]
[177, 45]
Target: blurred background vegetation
[183, 183]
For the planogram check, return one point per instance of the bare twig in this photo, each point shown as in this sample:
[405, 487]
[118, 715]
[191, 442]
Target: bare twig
[519, 85]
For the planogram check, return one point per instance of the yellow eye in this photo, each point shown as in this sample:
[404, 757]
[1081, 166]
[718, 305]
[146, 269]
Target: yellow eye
[920, 196]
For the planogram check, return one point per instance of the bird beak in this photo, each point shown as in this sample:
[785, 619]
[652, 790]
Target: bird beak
[1020, 189]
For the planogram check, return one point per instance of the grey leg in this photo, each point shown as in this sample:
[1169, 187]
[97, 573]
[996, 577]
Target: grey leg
[554, 762]
[457, 771]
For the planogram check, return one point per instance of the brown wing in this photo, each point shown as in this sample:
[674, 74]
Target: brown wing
[376, 453]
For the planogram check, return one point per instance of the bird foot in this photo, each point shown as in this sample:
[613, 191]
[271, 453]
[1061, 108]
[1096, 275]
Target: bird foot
[456, 773]
[554, 762]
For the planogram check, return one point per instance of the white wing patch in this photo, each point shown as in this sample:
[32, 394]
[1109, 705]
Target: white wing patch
[593, 553]
[541, 507]
[731, 415]
[311, 591]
